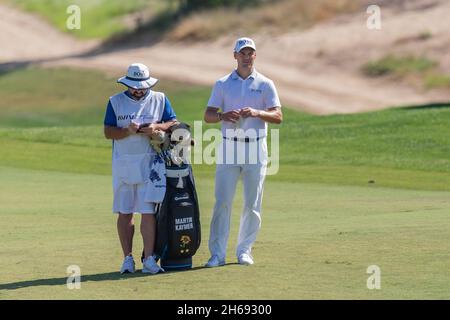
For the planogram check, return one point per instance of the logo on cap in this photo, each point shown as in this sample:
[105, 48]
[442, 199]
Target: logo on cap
[243, 43]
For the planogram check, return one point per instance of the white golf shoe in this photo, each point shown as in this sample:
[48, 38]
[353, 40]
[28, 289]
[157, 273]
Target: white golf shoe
[245, 259]
[214, 261]
[128, 265]
[150, 266]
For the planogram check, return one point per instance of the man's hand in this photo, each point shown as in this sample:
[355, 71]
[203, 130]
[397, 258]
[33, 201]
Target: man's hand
[151, 130]
[231, 116]
[249, 112]
[133, 127]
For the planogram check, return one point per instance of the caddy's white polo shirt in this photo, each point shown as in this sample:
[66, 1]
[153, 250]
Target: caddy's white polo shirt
[232, 92]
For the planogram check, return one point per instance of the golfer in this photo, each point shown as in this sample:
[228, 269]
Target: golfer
[244, 101]
[131, 158]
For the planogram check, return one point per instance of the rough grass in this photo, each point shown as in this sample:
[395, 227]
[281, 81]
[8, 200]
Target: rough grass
[400, 66]
[412, 69]
[435, 80]
[274, 17]
[106, 18]
[99, 19]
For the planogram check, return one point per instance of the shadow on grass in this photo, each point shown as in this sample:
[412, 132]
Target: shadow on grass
[86, 278]
[8, 67]
[439, 105]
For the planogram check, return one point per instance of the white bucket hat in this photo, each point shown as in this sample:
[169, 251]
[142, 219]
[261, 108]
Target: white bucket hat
[138, 77]
[242, 43]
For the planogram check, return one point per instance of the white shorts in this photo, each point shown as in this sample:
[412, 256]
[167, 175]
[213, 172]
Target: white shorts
[129, 198]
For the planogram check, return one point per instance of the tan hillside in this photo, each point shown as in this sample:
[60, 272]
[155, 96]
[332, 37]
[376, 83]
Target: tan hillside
[316, 69]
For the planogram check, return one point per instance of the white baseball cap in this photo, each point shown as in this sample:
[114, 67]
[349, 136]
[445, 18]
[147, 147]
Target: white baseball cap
[138, 77]
[244, 42]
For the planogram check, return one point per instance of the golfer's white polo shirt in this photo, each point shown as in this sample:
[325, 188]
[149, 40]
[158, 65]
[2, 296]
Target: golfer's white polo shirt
[232, 92]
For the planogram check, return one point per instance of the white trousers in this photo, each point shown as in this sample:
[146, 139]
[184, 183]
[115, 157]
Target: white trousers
[227, 176]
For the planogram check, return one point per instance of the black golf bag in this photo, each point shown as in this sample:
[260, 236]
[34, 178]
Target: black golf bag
[178, 233]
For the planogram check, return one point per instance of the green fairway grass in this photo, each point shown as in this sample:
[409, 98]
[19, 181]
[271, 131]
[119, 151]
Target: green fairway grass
[316, 242]
[352, 191]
